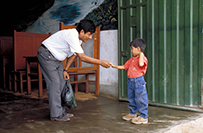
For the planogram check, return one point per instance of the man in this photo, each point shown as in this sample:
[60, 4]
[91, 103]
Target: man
[63, 44]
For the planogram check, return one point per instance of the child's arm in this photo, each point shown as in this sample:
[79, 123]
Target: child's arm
[118, 67]
[141, 59]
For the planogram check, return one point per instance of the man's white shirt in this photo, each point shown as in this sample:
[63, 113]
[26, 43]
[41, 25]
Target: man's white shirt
[64, 43]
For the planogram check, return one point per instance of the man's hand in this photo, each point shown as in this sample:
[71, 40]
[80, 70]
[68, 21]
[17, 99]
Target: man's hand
[65, 75]
[105, 64]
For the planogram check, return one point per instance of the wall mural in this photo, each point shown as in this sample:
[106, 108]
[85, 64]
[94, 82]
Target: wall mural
[70, 12]
[106, 15]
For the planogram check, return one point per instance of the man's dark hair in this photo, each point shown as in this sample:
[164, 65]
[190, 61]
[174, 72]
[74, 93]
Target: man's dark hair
[138, 42]
[87, 25]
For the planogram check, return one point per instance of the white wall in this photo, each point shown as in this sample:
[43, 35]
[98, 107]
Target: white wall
[109, 52]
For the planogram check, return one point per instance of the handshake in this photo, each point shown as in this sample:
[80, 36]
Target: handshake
[107, 64]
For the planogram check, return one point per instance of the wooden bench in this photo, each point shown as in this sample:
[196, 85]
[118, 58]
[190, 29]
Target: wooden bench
[25, 44]
[78, 69]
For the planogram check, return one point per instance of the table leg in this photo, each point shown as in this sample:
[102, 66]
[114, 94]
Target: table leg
[28, 78]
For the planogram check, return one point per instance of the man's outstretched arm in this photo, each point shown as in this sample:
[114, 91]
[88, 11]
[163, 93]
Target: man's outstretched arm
[91, 60]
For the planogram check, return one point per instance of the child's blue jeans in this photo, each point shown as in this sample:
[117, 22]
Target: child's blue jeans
[137, 96]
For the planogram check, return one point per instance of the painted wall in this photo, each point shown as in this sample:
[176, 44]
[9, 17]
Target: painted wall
[102, 12]
[66, 11]
[109, 52]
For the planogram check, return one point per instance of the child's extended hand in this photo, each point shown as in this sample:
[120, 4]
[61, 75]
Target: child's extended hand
[113, 66]
[116, 66]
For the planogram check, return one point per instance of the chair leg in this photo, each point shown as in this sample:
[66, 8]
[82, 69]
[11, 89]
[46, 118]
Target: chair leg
[15, 82]
[28, 85]
[40, 94]
[97, 83]
[10, 81]
[76, 84]
[21, 83]
[76, 87]
[87, 83]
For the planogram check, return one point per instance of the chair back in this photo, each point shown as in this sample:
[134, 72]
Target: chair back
[26, 44]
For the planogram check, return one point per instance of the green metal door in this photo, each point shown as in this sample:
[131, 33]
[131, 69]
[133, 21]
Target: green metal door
[130, 26]
[173, 32]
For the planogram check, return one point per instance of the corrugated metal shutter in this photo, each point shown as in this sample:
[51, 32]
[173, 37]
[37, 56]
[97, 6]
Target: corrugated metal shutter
[173, 31]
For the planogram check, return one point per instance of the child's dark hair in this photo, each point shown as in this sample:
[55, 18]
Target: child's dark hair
[87, 25]
[138, 42]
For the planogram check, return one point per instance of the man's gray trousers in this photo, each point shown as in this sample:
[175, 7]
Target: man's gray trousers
[52, 70]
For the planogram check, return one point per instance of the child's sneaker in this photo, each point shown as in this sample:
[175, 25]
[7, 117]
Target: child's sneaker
[129, 117]
[140, 120]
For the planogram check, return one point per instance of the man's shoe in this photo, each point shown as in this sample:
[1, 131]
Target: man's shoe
[62, 119]
[129, 117]
[140, 120]
[69, 115]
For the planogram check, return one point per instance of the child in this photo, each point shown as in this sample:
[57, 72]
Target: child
[137, 93]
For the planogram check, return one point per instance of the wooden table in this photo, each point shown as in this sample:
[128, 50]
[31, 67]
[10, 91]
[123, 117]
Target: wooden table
[29, 60]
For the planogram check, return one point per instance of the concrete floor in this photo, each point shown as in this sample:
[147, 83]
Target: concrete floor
[20, 114]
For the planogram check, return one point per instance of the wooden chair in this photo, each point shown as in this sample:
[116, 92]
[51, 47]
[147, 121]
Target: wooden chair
[78, 69]
[6, 59]
[25, 44]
